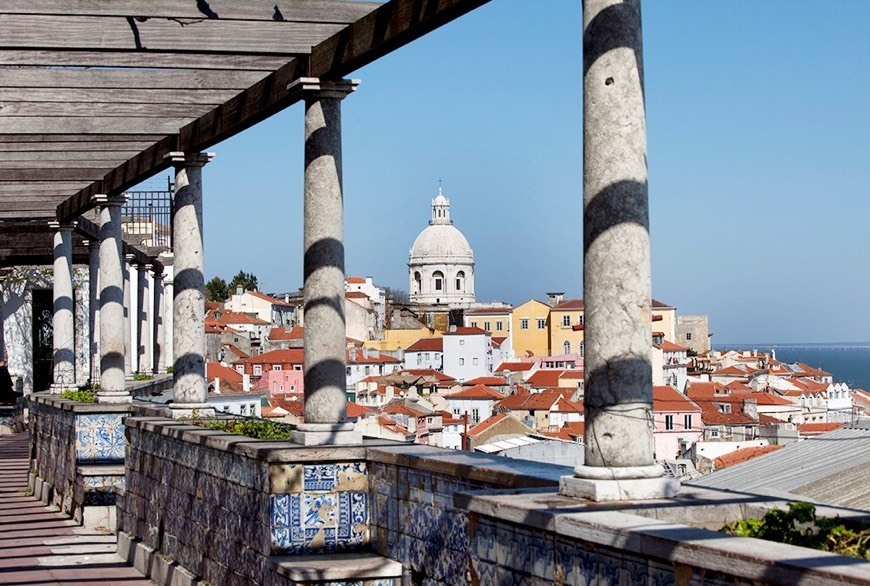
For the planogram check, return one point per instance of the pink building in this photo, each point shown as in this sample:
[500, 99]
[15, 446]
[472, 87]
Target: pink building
[280, 383]
[677, 420]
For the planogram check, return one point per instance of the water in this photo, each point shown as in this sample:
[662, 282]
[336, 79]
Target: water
[848, 363]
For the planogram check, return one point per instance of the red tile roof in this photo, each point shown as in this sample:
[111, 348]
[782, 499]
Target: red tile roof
[427, 345]
[356, 280]
[399, 407]
[486, 424]
[440, 376]
[742, 456]
[669, 399]
[545, 378]
[535, 401]
[234, 317]
[296, 333]
[671, 347]
[281, 356]
[237, 351]
[806, 429]
[356, 410]
[568, 304]
[490, 381]
[389, 424]
[215, 370]
[270, 299]
[497, 341]
[356, 295]
[464, 331]
[362, 358]
[569, 432]
[477, 392]
[489, 311]
[563, 405]
[515, 366]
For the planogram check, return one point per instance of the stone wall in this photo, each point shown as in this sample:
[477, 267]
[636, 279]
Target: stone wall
[414, 519]
[75, 449]
[221, 505]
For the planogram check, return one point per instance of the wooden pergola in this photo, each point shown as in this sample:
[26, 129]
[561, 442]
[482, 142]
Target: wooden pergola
[94, 94]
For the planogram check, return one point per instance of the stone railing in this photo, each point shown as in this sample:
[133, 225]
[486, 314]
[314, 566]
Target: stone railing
[228, 509]
[77, 456]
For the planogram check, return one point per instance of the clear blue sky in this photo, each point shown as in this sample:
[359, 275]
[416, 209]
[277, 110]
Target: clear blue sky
[759, 165]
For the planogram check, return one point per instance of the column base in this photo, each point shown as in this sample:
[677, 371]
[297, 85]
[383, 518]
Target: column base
[113, 397]
[58, 388]
[634, 483]
[191, 410]
[326, 434]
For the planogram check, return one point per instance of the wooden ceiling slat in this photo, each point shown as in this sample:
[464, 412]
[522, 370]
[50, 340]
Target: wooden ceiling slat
[153, 79]
[117, 95]
[100, 141]
[47, 173]
[125, 149]
[39, 188]
[143, 59]
[341, 12]
[105, 109]
[27, 31]
[92, 125]
[67, 156]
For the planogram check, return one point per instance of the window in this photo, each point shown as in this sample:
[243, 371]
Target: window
[669, 422]
[462, 362]
[348, 371]
[475, 415]
[426, 356]
[566, 347]
[368, 369]
[258, 370]
[277, 367]
[687, 421]
[474, 361]
[714, 432]
[462, 342]
[688, 335]
[524, 323]
[498, 326]
[460, 281]
[566, 321]
[486, 326]
[580, 321]
[240, 369]
[297, 367]
[582, 348]
[438, 280]
[419, 358]
[474, 324]
[542, 323]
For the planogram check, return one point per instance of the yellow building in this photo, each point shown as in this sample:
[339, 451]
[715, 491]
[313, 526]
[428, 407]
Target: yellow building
[401, 339]
[530, 329]
[496, 321]
[664, 320]
[566, 327]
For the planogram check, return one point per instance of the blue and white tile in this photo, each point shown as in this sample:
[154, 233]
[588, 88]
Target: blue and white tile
[318, 477]
[100, 437]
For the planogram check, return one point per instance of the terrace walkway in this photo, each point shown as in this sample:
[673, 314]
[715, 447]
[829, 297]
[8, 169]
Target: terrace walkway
[40, 547]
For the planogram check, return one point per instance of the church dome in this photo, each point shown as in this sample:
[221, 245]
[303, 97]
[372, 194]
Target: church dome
[441, 263]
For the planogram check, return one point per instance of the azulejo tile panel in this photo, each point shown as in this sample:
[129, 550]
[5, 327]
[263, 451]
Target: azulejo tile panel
[100, 437]
[319, 522]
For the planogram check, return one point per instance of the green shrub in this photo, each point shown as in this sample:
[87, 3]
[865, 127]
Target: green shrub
[82, 395]
[800, 526]
[138, 376]
[257, 429]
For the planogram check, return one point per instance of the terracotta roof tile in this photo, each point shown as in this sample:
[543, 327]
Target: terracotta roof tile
[477, 392]
[490, 381]
[667, 398]
[465, 331]
[742, 456]
[427, 345]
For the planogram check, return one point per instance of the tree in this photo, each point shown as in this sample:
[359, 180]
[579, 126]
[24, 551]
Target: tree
[217, 290]
[247, 281]
[398, 296]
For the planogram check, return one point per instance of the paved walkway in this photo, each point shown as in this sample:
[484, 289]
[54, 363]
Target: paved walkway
[39, 547]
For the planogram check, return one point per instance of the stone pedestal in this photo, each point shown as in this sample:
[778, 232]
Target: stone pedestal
[325, 331]
[63, 324]
[619, 447]
[188, 333]
[111, 303]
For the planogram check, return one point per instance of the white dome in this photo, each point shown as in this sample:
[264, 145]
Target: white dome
[441, 241]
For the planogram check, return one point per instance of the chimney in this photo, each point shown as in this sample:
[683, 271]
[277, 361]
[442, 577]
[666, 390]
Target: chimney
[217, 386]
[750, 407]
[555, 298]
[246, 382]
[286, 298]
[240, 290]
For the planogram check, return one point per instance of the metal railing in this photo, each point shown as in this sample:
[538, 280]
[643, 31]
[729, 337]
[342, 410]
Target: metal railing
[147, 217]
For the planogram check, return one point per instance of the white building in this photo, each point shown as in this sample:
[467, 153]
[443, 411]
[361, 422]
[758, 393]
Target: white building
[375, 294]
[441, 262]
[363, 362]
[467, 353]
[425, 353]
[476, 402]
[266, 308]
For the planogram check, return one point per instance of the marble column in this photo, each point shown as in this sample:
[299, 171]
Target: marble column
[146, 317]
[323, 292]
[188, 334]
[111, 281]
[94, 309]
[63, 325]
[168, 313]
[619, 457]
[130, 280]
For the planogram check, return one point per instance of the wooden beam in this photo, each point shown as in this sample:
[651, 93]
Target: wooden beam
[333, 11]
[143, 59]
[26, 31]
[125, 149]
[45, 174]
[382, 31]
[54, 164]
[44, 139]
[16, 157]
[39, 188]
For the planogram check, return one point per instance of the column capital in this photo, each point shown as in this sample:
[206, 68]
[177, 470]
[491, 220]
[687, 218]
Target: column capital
[62, 226]
[103, 200]
[179, 158]
[147, 266]
[316, 88]
[130, 258]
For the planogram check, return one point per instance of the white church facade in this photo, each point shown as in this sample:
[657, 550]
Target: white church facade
[441, 263]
